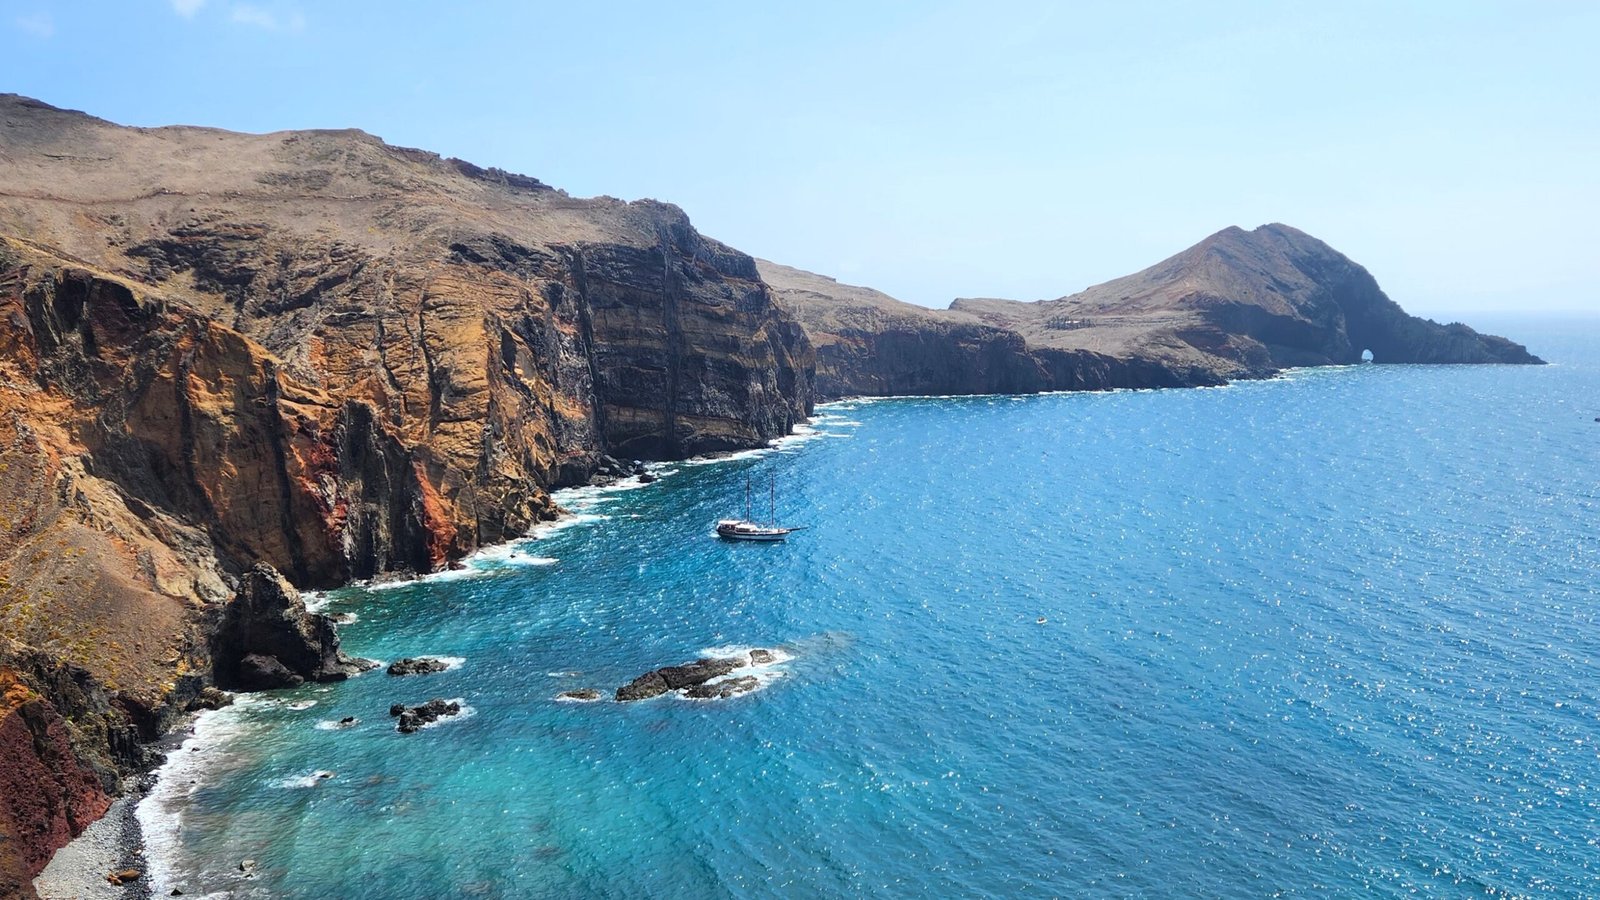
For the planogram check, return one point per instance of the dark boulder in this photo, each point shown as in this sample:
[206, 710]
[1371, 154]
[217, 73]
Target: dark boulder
[267, 639]
[760, 657]
[209, 698]
[697, 672]
[583, 694]
[648, 685]
[414, 717]
[721, 690]
[422, 665]
[646, 478]
[263, 673]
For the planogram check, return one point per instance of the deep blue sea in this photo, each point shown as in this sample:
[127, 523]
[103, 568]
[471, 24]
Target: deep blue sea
[1334, 634]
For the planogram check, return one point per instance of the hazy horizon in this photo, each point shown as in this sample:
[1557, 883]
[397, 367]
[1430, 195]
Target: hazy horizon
[1004, 149]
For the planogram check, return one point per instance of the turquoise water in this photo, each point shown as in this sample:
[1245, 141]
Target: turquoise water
[1335, 634]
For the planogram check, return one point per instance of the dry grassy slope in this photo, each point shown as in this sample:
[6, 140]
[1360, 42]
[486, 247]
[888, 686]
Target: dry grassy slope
[1242, 304]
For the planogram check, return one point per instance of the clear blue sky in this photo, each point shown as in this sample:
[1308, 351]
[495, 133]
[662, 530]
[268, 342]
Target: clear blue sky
[936, 150]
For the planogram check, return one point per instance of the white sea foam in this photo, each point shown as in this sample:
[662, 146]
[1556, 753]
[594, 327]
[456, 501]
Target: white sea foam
[160, 812]
[301, 704]
[755, 453]
[571, 520]
[336, 724]
[308, 780]
[514, 553]
[779, 654]
[530, 560]
[315, 601]
[466, 572]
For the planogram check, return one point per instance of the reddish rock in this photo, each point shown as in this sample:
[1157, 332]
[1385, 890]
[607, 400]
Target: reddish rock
[47, 797]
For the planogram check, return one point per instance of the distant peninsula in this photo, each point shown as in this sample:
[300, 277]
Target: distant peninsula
[1239, 304]
[237, 365]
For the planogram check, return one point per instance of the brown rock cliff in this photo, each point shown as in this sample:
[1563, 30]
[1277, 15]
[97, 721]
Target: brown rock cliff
[318, 352]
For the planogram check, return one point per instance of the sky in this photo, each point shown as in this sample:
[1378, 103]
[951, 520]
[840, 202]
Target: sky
[1000, 148]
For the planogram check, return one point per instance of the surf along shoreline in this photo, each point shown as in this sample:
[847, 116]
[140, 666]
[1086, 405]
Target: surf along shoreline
[143, 827]
[136, 835]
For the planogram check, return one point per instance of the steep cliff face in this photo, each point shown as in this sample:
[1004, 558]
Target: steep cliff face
[870, 343]
[344, 358]
[318, 352]
[1237, 305]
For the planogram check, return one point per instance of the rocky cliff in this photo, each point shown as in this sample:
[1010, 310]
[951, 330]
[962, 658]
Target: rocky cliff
[227, 358]
[322, 353]
[1240, 304]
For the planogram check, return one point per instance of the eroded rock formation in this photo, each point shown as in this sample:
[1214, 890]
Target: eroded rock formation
[267, 639]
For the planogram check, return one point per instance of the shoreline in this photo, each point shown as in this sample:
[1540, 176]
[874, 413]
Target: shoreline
[123, 838]
[112, 843]
[120, 840]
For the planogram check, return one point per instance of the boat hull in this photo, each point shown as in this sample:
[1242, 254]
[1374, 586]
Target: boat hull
[735, 536]
[733, 530]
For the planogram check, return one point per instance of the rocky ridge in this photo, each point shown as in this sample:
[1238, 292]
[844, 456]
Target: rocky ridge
[1240, 304]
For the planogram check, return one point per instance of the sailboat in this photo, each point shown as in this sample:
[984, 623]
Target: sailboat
[746, 529]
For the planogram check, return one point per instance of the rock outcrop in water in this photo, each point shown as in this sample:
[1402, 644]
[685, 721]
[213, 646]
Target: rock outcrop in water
[267, 639]
[420, 666]
[410, 719]
[1240, 304]
[702, 679]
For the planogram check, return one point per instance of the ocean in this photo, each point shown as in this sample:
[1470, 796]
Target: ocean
[1333, 634]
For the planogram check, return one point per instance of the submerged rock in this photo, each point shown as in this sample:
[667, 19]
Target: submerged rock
[583, 694]
[721, 690]
[422, 665]
[414, 717]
